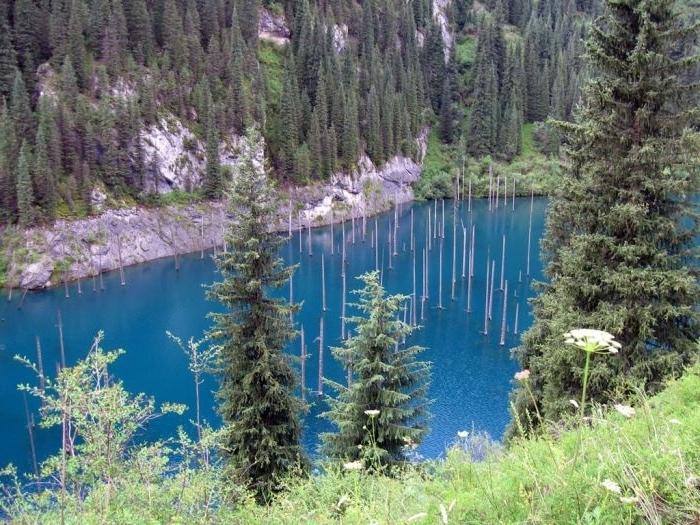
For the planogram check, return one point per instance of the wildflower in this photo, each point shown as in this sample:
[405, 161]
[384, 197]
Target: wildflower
[417, 517]
[611, 486]
[523, 375]
[674, 421]
[353, 465]
[629, 500]
[575, 403]
[592, 341]
[625, 410]
[372, 413]
[462, 434]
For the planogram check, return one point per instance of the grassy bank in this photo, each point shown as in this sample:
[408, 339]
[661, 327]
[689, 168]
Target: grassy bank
[532, 170]
[617, 469]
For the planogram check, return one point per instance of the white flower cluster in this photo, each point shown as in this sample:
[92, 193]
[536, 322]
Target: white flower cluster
[353, 465]
[593, 341]
[625, 410]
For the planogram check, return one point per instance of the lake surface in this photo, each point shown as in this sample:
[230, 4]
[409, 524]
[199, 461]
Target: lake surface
[472, 372]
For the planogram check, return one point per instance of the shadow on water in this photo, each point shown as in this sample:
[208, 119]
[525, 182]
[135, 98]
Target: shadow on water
[472, 371]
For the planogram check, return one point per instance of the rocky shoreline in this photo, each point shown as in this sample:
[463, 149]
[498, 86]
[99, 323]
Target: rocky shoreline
[75, 249]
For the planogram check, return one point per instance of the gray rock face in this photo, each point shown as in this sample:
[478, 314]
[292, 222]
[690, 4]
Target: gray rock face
[340, 37]
[440, 8]
[174, 157]
[122, 237]
[272, 27]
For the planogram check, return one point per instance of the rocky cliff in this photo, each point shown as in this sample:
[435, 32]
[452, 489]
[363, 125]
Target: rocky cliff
[76, 249]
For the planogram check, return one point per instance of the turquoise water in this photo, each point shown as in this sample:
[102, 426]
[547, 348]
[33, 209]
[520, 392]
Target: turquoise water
[472, 372]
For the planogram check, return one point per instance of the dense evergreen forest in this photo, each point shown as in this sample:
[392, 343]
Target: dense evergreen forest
[82, 80]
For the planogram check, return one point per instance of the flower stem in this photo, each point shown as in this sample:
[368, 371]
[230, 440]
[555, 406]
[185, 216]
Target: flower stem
[585, 383]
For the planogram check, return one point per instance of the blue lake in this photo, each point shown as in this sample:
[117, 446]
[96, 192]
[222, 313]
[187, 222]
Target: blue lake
[472, 372]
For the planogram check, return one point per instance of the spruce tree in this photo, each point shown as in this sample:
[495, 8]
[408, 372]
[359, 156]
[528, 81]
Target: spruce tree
[622, 227]
[173, 34]
[8, 150]
[257, 382]
[446, 113]
[213, 183]
[375, 144]
[351, 132]
[387, 121]
[76, 42]
[483, 118]
[8, 60]
[25, 192]
[96, 22]
[434, 65]
[386, 378]
[237, 88]
[302, 164]
[114, 44]
[69, 83]
[316, 146]
[20, 110]
[138, 21]
[26, 34]
[45, 167]
[331, 157]
[289, 117]
[249, 16]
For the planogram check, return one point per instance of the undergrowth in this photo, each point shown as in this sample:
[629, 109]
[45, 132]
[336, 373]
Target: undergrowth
[618, 468]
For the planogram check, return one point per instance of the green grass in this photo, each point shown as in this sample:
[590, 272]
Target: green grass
[174, 198]
[532, 170]
[528, 141]
[439, 165]
[13, 249]
[654, 458]
[271, 59]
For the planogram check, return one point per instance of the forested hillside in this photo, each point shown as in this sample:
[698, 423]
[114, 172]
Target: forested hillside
[92, 89]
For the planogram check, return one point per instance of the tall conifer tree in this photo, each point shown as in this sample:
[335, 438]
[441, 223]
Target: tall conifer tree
[8, 151]
[8, 59]
[45, 169]
[621, 230]
[213, 183]
[20, 110]
[386, 378]
[25, 192]
[257, 382]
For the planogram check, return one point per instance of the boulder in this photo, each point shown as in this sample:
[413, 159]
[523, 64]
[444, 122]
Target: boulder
[37, 275]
